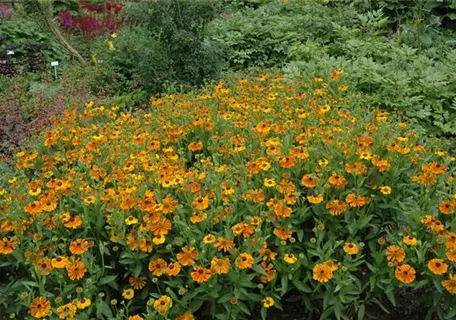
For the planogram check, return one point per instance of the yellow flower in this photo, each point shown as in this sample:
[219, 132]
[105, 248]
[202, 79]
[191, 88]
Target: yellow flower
[290, 258]
[128, 294]
[131, 220]
[110, 45]
[315, 198]
[159, 239]
[351, 248]
[83, 303]
[410, 241]
[385, 190]
[163, 304]
[323, 162]
[268, 302]
[209, 239]
[34, 192]
[269, 182]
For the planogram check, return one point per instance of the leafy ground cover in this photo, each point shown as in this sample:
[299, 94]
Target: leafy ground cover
[225, 200]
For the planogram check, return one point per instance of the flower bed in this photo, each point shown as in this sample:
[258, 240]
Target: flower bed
[227, 199]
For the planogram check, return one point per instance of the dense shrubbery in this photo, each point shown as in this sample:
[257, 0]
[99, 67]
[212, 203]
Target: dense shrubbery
[16, 32]
[230, 198]
[403, 11]
[411, 71]
[164, 44]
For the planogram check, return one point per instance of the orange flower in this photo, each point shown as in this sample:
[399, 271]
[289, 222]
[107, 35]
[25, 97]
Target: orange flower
[336, 207]
[79, 246]
[195, 146]
[198, 217]
[356, 201]
[45, 267]
[337, 181]
[173, 269]
[450, 239]
[322, 273]
[200, 274]
[59, 262]
[200, 203]
[186, 316]
[244, 261]
[224, 244]
[315, 198]
[405, 273]
[67, 311]
[76, 269]
[137, 282]
[395, 254]
[220, 266]
[161, 227]
[351, 248]
[451, 255]
[135, 317]
[73, 222]
[7, 246]
[33, 207]
[157, 267]
[282, 233]
[446, 207]
[356, 168]
[187, 256]
[309, 181]
[287, 162]
[450, 284]
[48, 205]
[437, 266]
[40, 307]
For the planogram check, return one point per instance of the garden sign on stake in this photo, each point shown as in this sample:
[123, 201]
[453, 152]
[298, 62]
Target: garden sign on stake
[55, 64]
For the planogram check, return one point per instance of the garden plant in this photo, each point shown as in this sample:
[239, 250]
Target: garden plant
[228, 199]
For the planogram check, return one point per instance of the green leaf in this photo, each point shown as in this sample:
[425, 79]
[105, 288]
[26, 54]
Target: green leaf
[137, 270]
[243, 307]
[284, 284]
[361, 312]
[106, 280]
[337, 311]
[391, 297]
[301, 286]
[106, 310]
[258, 269]
[264, 313]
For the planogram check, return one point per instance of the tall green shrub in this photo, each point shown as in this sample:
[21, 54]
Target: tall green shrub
[166, 44]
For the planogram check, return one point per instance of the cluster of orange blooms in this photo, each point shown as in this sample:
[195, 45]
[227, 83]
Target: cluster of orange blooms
[221, 192]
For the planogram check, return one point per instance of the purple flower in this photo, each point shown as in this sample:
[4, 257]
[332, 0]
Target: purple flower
[6, 12]
[66, 20]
